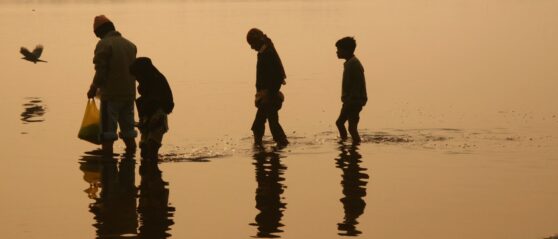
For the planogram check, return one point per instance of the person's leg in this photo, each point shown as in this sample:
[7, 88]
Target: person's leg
[153, 139]
[149, 147]
[143, 143]
[354, 118]
[109, 118]
[126, 123]
[340, 123]
[275, 128]
[152, 152]
[258, 126]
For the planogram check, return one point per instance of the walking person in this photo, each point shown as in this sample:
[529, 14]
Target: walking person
[353, 89]
[115, 85]
[270, 75]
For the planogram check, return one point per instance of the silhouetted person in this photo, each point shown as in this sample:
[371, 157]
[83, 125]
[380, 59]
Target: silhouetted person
[154, 209]
[154, 105]
[117, 87]
[353, 90]
[115, 209]
[269, 175]
[354, 180]
[270, 75]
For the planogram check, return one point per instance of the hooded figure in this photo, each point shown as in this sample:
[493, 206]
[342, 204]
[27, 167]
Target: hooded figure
[153, 87]
[154, 105]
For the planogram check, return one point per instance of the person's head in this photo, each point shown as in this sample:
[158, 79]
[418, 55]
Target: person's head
[256, 38]
[345, 47]
[141, 68]
[102, 25]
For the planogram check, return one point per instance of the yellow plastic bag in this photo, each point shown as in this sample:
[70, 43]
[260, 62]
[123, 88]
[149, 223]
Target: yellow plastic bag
[90, 129]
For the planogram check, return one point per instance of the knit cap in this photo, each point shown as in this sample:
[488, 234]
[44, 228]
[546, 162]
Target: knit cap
[99, 20]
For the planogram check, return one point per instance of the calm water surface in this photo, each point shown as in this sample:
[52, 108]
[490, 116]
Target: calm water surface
[460, 132]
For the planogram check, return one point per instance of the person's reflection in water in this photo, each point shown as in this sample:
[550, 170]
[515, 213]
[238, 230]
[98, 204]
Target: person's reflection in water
[115, 208]
[154, 208]
[269, 172]
[91, 168]
[354, 180]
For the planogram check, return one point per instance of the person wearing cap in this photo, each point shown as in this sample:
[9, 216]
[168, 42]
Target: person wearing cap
[114, 84]
[270, 75]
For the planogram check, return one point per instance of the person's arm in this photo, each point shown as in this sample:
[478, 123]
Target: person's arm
[101, 61]
[362, 86]
[355, 83]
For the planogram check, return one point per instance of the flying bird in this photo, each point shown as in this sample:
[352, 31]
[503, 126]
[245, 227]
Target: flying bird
[32, 56]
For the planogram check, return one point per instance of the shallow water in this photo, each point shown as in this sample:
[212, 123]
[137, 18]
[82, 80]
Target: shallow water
[459, 134]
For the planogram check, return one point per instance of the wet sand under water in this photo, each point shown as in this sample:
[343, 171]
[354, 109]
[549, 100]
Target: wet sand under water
[424, 183]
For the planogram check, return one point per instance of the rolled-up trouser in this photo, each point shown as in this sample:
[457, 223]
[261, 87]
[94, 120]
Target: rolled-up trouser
[116, 114]
[153, 128]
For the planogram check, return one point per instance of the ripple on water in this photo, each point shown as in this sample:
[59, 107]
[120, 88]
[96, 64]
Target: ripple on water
[34, 110]
[445, 140]
[198, 154]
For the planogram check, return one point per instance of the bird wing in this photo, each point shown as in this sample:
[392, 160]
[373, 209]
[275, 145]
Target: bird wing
[25, 52]
[38, 51]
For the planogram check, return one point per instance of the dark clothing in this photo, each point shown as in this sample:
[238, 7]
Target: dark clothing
[113, 56]
[349, 113]
[154, 104]
[272, 115]
[353, 90]
[153, 87]
[353, 96]
[270, 72]
[270, 75]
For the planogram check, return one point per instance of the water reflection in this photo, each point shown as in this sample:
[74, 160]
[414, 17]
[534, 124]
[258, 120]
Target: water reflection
[116, 210]
[354, 180]
[154, 209]
[33, 110]
[91, 168]
[269, 175]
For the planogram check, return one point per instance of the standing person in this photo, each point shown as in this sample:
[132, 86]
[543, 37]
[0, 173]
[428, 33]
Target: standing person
[154, 105]
[117, 87]
[353, 90]
[270, 75]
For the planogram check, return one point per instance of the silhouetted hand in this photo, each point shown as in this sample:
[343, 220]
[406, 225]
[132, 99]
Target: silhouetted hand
[92, 92]
[261, 98]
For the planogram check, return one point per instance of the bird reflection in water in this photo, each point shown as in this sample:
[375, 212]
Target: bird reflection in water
[354, 180]
[33, 110]
[116, 209]
[269, 176]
